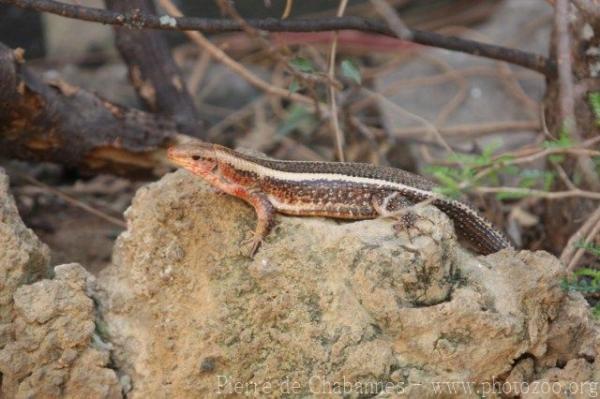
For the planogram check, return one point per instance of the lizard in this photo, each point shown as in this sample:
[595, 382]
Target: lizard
[341, 190]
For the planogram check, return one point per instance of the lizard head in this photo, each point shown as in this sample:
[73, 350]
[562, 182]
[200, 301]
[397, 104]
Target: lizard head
[197, 157]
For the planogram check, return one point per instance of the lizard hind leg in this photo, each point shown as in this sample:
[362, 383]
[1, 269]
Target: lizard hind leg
[396, 206]
[390, 204]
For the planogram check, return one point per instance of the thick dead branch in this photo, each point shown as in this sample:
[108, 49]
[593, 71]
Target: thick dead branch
[565, 70]
[152, 71]
[567, 110]
[60, 123]
[535, 62]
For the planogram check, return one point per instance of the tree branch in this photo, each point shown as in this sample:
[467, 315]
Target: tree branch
[152, 71]
[565, 70]
[60, 123]
[532, 61]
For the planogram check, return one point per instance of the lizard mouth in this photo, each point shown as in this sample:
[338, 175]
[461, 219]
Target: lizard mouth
[189, 161]
[178, 157]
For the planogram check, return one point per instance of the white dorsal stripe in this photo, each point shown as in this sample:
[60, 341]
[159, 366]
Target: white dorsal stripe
[260, 170]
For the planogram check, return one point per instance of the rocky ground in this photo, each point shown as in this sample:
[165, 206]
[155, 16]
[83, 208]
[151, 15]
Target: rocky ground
[371, 309]
[48, 331]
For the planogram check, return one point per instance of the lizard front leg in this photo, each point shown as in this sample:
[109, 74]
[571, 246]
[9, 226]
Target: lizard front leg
[265, 211]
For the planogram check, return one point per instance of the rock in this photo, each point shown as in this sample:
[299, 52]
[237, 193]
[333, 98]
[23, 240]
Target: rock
[577, 379]
[52, 354]
[23, 258]
[46, 326]
[359, 308]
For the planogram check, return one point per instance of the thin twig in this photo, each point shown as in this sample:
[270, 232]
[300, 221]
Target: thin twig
[429, 127]
[593, 233]
[469, 129]
[524, 157]
[585, 234]
[395, 23]
[460, 95]
[511, 82]
[234, 117]
[288, 9]
[279, 53]
[222, 57]
[198, 73]
[532, 61]
[335, 123]
[589, 7]
[563, 176]
[430, 80]
[73, 201]
[530, 192]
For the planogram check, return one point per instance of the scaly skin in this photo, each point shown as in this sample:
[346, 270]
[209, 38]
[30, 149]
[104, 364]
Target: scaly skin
[341, 190]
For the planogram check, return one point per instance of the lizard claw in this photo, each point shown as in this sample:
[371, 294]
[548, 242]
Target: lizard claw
[255, 244]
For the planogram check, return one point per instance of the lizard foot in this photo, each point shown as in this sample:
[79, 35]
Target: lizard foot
[408, 222]
[254, 243]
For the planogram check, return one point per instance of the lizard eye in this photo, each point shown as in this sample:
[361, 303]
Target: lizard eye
[195, 157]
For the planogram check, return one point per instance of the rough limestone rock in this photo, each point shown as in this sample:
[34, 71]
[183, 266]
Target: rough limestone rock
[47, 347]
[369, 308]
[23, 258]
[52, 354]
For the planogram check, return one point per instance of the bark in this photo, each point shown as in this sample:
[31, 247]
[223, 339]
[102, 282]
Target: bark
[561, 219]
[152, 71]
[57, 122]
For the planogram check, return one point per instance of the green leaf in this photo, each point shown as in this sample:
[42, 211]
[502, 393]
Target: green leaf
[529, 177]
[587, 272]
[350, 70]
[594, 100]
[564, 140]
[596, 161]
[294, 86]
[447, 181]
[596, 311]
[302, 64]
[507, 195]
[511, 170]
[556, 158]
[488, 150]
[505, 158]
[548, 180]
[481, 160]
[298, 118]
[591, 248]
[447, 192]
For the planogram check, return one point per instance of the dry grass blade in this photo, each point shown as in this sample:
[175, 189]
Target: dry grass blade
[288, 9]
[74, 201]
[389, 14]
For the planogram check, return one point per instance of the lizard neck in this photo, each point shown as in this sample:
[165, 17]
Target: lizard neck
[238, 168]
